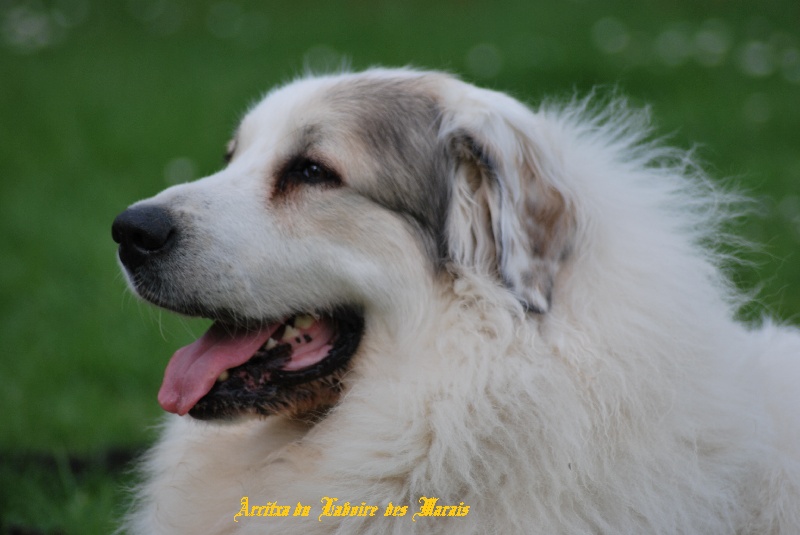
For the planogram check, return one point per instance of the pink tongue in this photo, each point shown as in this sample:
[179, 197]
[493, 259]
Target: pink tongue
[193, 369]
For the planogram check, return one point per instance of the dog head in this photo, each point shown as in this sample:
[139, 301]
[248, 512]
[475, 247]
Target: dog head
[344, 201]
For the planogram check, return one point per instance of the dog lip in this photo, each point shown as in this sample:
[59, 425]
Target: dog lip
[193, 369]
[278, 381]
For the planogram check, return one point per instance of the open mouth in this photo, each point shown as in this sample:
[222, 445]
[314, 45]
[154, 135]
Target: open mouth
[292, 366]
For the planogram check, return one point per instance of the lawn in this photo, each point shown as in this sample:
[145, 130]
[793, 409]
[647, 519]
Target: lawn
[102, 104]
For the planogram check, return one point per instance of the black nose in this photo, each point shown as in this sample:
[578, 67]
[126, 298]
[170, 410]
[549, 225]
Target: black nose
[142, 232]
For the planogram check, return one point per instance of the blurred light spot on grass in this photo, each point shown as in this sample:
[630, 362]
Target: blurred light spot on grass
[712, 42]
[610, 35]
[760, 52]
[757, 109]
[179, 170]
[756, 59]
[28, 28]
[484, 60]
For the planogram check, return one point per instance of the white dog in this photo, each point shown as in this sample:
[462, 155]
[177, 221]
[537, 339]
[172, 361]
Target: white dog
[437, 311]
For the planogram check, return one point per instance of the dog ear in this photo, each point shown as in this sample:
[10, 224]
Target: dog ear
[508, 217]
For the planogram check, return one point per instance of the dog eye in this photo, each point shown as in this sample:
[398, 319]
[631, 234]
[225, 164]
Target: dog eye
[313, 174]
[309, 172]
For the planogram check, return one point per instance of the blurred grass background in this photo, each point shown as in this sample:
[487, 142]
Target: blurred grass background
[102, 104]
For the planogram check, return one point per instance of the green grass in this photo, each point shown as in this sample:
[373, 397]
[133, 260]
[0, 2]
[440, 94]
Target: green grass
[89, 123]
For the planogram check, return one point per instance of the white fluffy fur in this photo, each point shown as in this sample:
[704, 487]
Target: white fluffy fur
[635, 404]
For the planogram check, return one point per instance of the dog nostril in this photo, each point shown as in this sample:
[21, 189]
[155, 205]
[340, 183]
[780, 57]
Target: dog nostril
[150, 239]
[142, 231]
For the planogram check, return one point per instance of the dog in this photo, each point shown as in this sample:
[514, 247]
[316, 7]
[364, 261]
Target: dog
[437, 310]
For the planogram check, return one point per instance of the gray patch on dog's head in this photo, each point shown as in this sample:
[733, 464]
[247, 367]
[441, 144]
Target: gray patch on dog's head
[397, 121]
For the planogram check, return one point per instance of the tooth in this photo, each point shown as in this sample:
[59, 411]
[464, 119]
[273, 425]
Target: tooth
[289, 333]
[271, 343]
[303, 321]
[223, 376]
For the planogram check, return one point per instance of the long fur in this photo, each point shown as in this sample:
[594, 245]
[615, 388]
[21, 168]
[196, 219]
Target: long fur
[611, 390]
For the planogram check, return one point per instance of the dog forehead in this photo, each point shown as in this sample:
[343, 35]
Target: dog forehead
[282, 111]
[380, 110]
